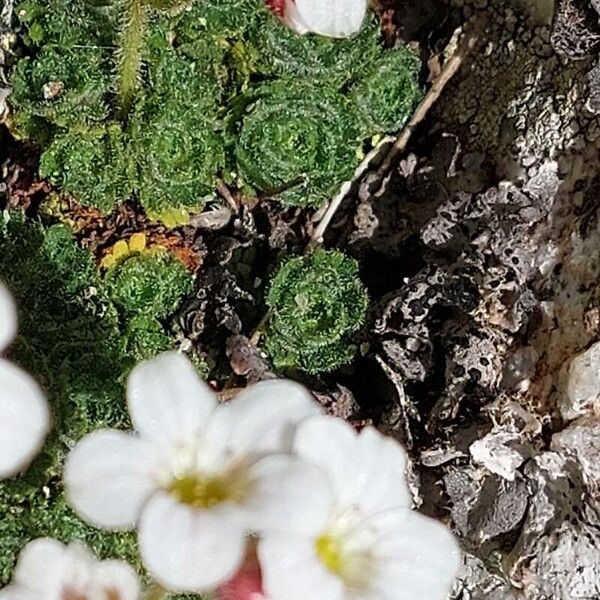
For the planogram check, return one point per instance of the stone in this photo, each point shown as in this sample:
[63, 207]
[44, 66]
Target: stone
[581, 440]
[500, 452]
[583, 384]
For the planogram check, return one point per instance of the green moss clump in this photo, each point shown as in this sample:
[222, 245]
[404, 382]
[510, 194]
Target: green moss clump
[146, 338]
[178, 148]
[66, 86]
[317, 302]
[150, 284]
[286, 54]
[216, 89]
[80, 346]
[70, 341]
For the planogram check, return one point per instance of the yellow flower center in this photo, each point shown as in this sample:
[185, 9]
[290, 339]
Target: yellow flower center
[205, 492]
[329, 551]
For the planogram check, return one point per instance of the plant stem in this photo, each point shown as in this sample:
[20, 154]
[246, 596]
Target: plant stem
[131, 44]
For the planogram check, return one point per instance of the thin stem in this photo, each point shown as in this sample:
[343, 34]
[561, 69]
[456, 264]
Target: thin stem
[260, 328]
[131, 44]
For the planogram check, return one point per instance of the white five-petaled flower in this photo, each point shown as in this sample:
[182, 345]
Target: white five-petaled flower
[366, 544]
[50, 570]
[24, 415]
[195, 477]
[331, 18]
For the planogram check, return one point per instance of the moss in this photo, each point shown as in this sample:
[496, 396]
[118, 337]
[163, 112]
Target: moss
[317, 302]
[94, 166]
[66, 86]
[146, 338]
[67, 24]
[286, 54]
[387, 91]
[77, 344]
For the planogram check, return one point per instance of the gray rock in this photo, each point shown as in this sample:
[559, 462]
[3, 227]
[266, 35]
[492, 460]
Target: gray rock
[566, 566]
[583, 384]
[500, 452]
[581, 440]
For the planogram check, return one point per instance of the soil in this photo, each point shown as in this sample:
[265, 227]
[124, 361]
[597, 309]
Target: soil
[480, 249]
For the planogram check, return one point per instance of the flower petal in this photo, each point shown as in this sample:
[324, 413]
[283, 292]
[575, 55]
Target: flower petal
[260, 419]
[288, 495]
[166, 398]
[292, 571]
[40, 566]
[108, 478]
[333, 18]
[8, 318]
[328, 442]
[293, 19]
[380, 473]
[17, 592]
[24, 419]
[367, 470]
[417, 557]
[118, 576]
[187, 549]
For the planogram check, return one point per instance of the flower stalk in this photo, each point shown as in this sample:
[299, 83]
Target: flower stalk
[131, 44]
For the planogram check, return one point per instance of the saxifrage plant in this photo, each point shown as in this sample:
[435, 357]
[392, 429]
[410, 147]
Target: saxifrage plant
[317, 302]
[156, 101]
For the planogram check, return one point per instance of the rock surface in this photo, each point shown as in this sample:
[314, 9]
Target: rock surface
[583, 384]
[484, 246]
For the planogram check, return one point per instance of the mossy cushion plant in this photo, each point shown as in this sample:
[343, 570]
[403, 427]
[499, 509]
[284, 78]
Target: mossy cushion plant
[156, 99]
[78, 339]
[317, 302]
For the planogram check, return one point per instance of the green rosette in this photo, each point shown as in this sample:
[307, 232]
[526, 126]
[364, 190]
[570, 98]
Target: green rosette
[297, 142]
[317, 303]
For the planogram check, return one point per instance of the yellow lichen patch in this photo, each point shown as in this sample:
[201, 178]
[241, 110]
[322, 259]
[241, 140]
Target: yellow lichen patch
[136, 244]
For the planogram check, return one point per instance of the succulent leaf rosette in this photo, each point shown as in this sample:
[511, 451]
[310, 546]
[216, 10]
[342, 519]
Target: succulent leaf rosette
[284, 53]
[317, 303]
[297, 141]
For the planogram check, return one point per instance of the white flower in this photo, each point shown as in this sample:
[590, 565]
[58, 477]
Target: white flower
[49, 570]
[24, 415]
[331, 18]
[196, 477]
[367, 544]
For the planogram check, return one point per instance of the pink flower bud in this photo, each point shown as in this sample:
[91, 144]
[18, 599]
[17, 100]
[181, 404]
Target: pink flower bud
[246, 584]
[277, 6]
